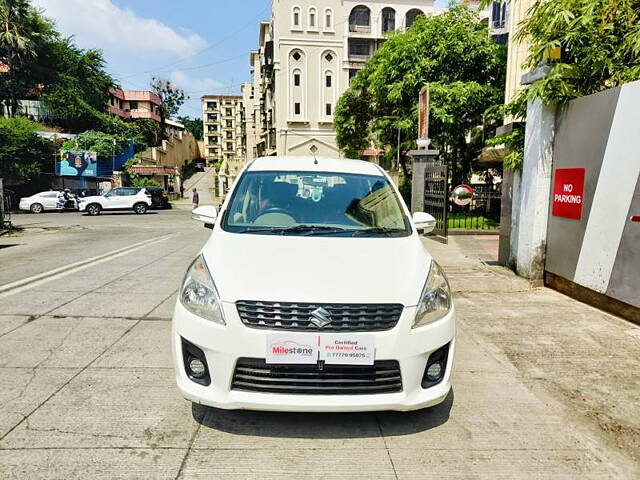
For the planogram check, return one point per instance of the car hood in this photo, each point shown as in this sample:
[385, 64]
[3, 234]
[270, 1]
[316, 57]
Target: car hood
[317, 269]
[91, 198]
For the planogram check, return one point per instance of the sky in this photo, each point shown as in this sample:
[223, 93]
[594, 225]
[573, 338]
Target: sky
[201, 45]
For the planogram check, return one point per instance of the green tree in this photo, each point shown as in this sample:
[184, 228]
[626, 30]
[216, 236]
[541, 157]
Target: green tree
[193, 126]
[104, 144]
[23, 154]
[78, 93]
[465, 69]
[599, 42]
[23, 35]
[171, 97]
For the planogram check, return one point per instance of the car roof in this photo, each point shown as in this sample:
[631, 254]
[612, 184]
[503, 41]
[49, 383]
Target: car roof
[314, 164]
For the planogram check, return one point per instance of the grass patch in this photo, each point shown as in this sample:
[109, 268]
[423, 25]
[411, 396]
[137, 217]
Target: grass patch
[462, 221]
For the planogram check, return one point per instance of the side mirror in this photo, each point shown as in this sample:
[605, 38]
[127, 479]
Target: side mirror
[424, 221]
[206, 214]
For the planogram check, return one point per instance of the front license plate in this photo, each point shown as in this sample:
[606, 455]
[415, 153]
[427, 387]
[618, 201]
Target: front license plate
[308, 348]
[337, 349]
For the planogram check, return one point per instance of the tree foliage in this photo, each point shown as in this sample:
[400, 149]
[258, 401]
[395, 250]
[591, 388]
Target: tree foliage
[599, 42]
[193, 126]
[171, 97]
[464, 68]
[99, 142]
[23, 154]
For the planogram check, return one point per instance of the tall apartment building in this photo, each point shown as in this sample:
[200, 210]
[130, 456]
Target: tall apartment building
[307, 54]
[223, 118]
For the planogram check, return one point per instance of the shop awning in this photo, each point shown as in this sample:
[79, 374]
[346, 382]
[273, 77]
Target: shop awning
[152, 170]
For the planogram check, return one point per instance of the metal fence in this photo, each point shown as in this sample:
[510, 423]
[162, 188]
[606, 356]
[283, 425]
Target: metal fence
[483, 213]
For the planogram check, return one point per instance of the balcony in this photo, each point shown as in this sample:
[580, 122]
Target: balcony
[353, 28]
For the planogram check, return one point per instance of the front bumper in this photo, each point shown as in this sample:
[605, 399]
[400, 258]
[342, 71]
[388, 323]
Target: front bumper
[224, 344]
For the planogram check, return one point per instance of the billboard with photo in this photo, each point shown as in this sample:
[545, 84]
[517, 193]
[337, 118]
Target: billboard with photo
[77, 164]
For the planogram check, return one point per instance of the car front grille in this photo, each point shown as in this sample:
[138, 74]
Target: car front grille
[255, 375]
[351, 317]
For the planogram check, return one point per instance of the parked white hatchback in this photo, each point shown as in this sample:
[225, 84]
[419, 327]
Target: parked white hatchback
[123, 198]
[314, 293]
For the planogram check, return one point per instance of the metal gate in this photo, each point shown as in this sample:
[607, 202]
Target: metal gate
[436, 194]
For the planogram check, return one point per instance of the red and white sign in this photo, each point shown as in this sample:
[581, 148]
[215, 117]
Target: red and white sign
[305, 348]
[568, 193]
[423, 115]
[347, 349]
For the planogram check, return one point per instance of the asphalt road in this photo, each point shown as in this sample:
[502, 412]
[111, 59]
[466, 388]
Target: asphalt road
[87, 387]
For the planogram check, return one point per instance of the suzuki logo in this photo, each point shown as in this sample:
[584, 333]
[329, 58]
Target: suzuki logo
[320, 317]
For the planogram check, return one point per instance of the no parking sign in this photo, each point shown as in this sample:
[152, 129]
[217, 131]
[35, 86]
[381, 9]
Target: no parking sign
[568, 193]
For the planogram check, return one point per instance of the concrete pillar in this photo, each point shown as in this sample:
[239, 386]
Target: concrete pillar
[420, 160]
[530, 214]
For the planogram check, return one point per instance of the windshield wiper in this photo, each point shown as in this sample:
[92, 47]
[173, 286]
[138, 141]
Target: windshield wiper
[373, 230]
[309, 229]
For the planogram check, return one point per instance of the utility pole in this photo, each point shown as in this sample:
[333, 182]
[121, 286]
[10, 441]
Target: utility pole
[113, 156]
[1, 204]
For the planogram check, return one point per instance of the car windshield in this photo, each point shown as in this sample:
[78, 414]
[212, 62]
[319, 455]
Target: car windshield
[310, 203]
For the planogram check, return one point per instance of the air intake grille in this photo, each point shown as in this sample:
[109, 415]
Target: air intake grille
[352, 317]
[254, 375]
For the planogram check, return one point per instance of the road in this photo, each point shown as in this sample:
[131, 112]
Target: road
[544, 387]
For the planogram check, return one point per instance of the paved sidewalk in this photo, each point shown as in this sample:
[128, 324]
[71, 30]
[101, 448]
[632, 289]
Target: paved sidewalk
[571, 355]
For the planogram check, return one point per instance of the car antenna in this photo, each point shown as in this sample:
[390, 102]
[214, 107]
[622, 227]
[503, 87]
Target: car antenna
[314, 149]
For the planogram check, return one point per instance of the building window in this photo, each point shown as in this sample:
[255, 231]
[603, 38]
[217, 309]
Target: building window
[296, 17]
[327, 80]
[296, 108]
[358, 47]
[296, 79]
[229, 146]
[499, 15]
[328, 19]
[388, 20]
[360, 19]
[229, 123]
[296, 56]
[412, 15]
[312, 18]
[229, 112]
[133, 105]
[327, 109]
[352, 73]
[211, 105]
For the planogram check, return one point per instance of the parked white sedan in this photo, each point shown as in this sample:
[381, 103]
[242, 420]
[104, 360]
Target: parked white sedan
[42, 201]
[314, 293]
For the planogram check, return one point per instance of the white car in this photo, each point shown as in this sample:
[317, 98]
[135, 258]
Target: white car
[122, 198]
[43, 201]
[314, 293]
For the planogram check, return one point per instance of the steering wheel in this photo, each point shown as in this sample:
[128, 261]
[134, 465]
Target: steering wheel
[280, 210]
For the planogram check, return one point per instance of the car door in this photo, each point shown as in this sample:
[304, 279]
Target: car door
[113, 199]
[49, 200]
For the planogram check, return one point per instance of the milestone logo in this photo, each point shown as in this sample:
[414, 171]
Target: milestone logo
[289, 347]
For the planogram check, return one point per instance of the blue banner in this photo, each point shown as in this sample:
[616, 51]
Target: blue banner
[77, 164]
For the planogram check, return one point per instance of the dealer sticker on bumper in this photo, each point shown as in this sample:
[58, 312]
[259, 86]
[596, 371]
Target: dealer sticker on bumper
[333, 349]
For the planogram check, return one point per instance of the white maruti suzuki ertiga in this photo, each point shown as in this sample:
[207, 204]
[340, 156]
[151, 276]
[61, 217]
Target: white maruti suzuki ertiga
[314, 293]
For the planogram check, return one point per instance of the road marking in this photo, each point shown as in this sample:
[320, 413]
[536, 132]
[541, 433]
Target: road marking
[45, 277]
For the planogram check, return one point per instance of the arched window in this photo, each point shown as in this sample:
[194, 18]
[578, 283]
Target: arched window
[388, 19]
[360, 19]
[328, 85]
[312, 19]
[295, 21]
[411, 16]
[328, 19]
[297, 85]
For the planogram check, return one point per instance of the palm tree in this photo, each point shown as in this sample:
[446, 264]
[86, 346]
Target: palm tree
[20, 30]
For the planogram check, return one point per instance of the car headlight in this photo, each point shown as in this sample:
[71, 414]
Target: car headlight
[435, 301]
[199, 294]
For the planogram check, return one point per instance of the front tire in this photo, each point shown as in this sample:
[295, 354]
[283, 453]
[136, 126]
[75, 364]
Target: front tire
[37, 208]
[93, 209]
[140, 208]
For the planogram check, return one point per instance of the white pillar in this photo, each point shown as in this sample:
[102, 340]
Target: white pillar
[533, 212]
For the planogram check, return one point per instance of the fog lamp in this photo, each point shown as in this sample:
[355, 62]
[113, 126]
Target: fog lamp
[434, 371]
[197, 368]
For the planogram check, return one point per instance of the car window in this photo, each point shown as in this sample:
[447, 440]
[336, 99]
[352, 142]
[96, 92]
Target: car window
[337, 204]
[48, 194]
[130, 191]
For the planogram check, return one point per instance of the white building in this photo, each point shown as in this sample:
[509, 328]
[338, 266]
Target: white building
[223, 119]
[308, 52]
